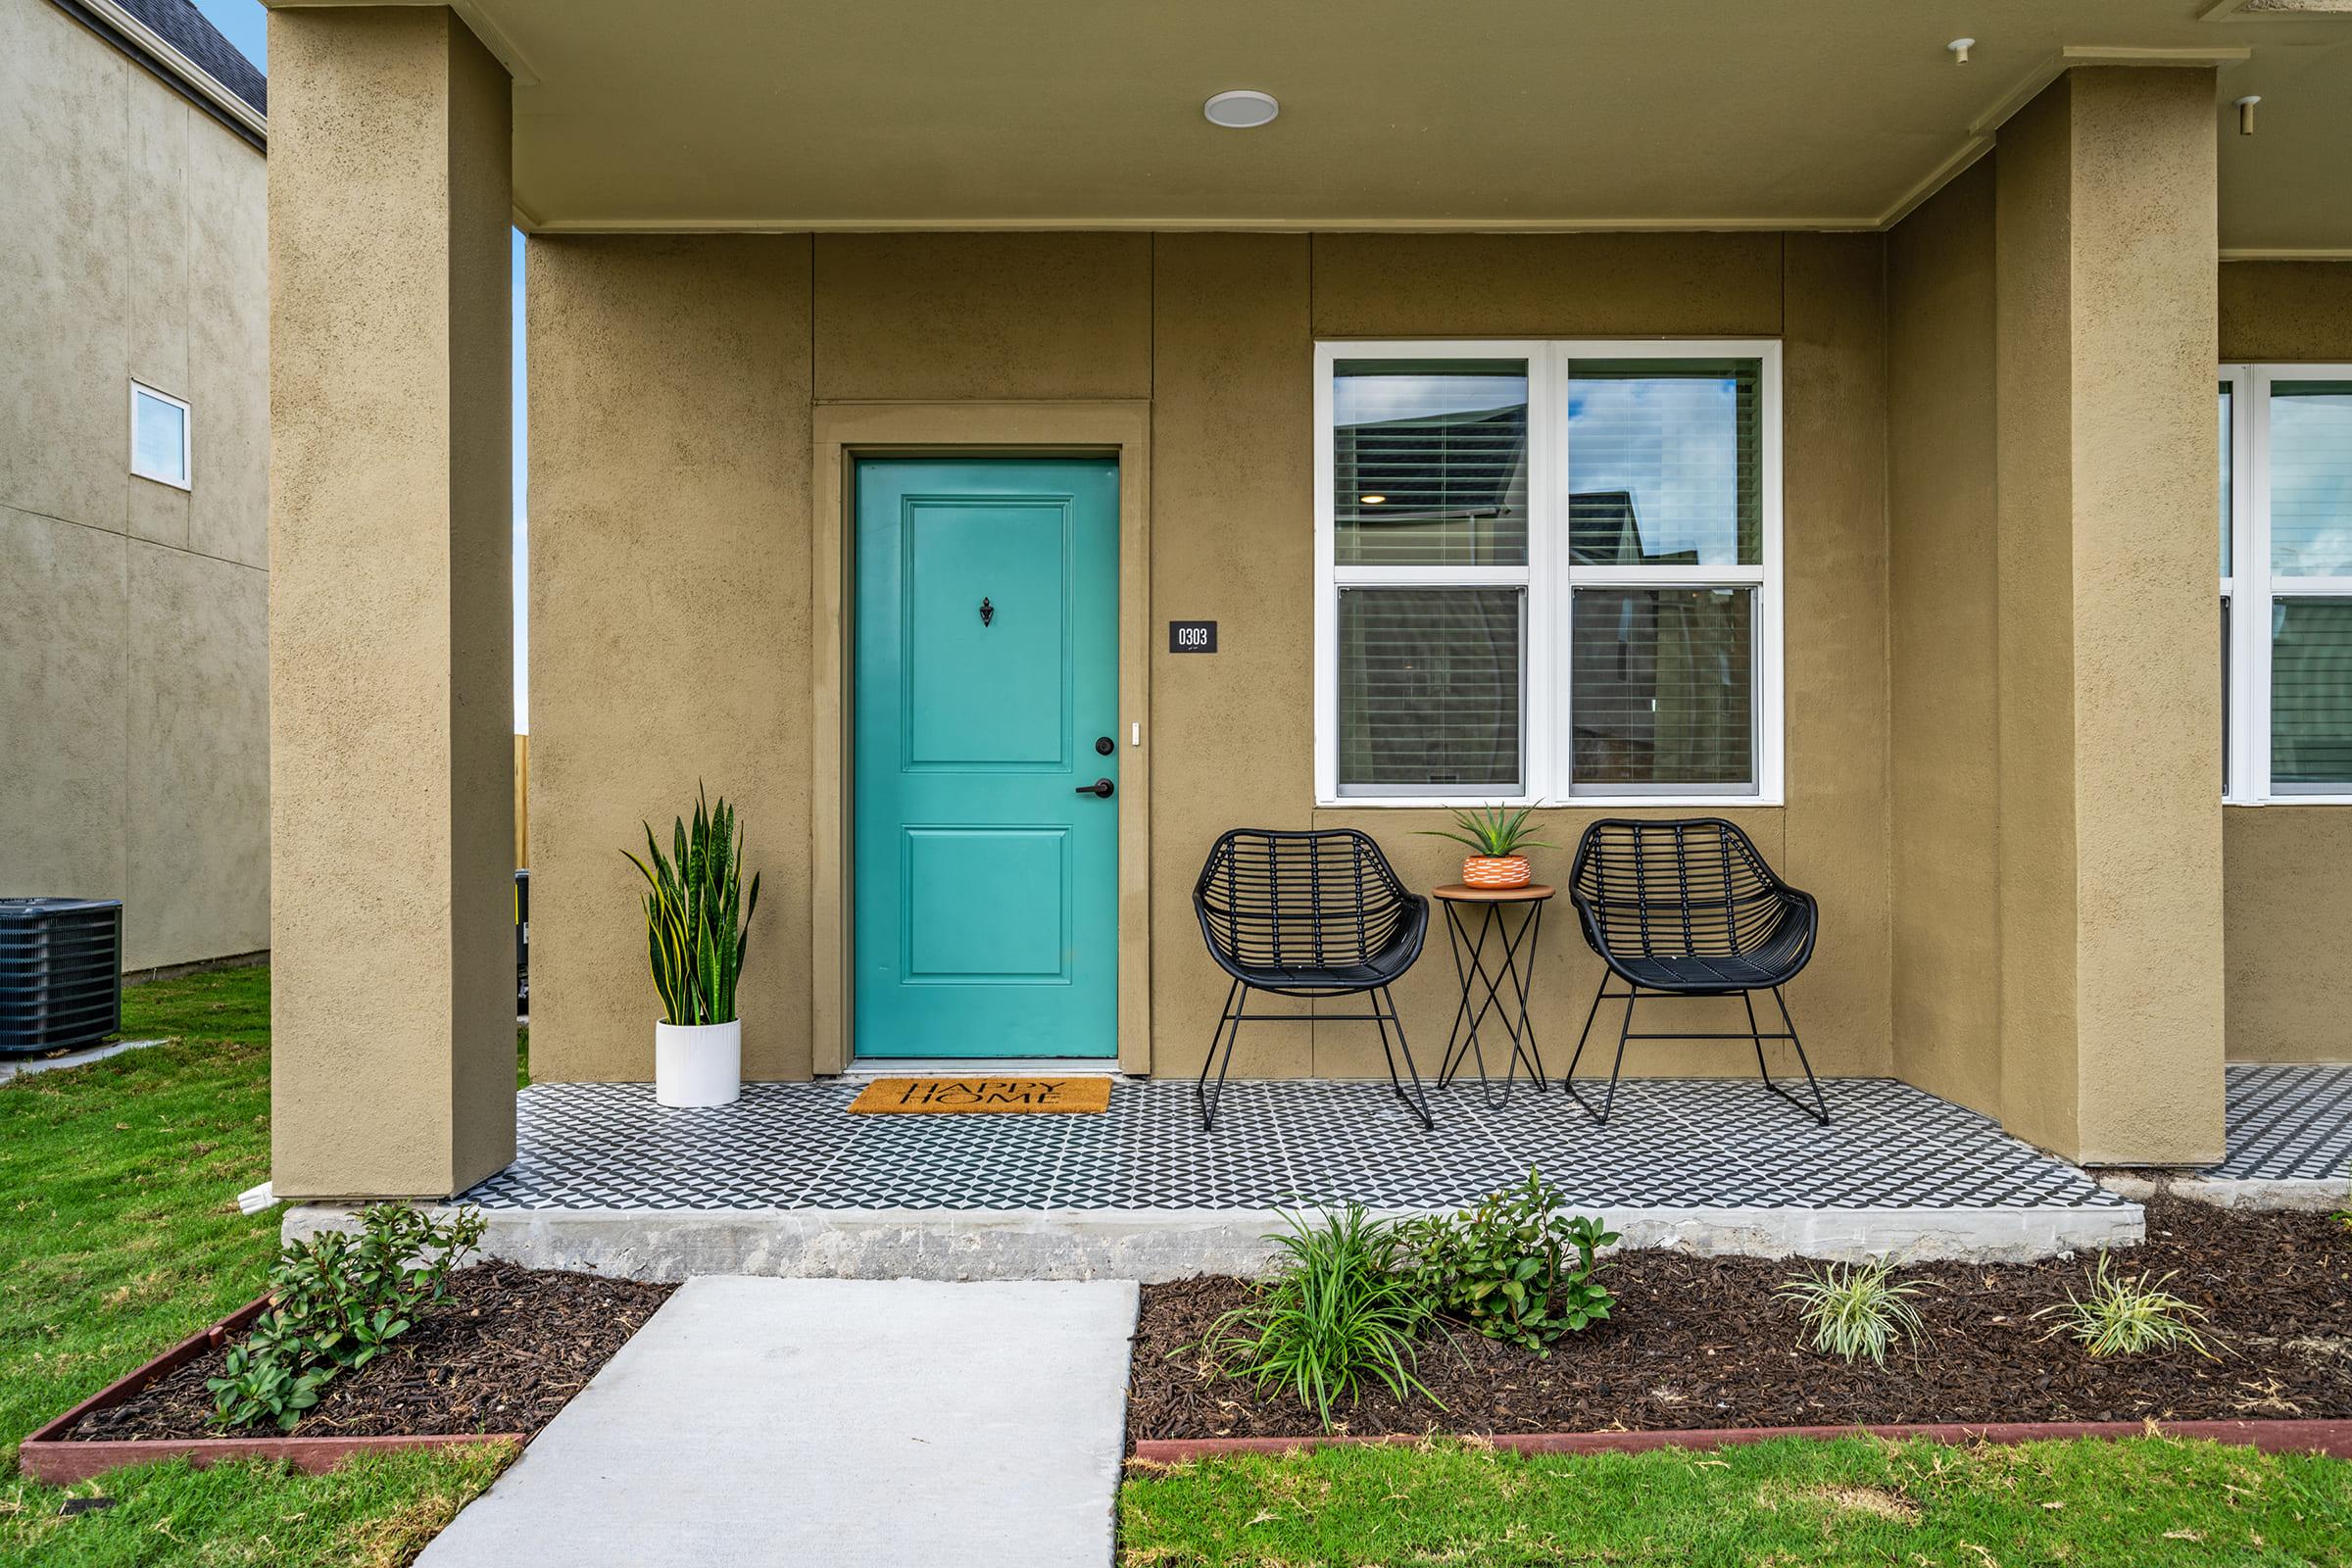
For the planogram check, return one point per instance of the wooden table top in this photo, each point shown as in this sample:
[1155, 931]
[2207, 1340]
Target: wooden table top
[1463, 893]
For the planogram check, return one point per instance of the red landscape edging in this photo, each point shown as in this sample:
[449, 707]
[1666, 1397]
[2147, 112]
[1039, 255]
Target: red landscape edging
[54, 1459]
[2330, 1437]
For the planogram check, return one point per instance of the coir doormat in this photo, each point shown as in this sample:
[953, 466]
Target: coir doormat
[983, 1096]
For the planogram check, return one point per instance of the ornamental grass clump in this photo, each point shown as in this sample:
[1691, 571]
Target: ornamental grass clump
[1853, 1310]
[1514, 1267]
[2128, 1316]
[697, 918]
[1334, 1317]
[336, 1301]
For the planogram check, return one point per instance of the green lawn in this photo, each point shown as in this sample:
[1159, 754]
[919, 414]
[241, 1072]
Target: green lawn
[2146, 1503]
[120, 1182]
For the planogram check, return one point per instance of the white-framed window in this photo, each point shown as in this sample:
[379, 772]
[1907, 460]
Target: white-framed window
[2286, 583]
[1547, 571]
[162, 440]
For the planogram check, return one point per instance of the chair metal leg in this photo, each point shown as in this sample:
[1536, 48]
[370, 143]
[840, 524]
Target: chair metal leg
[1418, 1101]
[1591, 1013]
[1818, 1110]
[1624, 1033]
[1227, 1017]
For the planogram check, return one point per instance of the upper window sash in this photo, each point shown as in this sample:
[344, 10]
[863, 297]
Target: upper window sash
[1549, 575]
[2253, 586]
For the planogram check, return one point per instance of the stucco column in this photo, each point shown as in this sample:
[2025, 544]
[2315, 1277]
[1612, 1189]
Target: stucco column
[390, 644]
[2110, 655]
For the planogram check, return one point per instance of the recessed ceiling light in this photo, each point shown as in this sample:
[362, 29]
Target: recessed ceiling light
[1242, 109]
[1370, 501]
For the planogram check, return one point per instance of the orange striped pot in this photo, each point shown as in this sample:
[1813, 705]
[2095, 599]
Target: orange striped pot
[1495, 870]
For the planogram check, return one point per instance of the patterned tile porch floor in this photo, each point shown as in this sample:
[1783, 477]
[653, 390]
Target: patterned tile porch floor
[1673, 1143]
[2289, 1123]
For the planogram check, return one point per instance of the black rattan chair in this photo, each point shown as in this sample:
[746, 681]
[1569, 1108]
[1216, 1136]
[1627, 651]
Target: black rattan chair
[1307, 914]
[1689, 908]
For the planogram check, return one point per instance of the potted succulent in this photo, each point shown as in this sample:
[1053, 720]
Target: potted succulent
[696, 924]
[1495, 837]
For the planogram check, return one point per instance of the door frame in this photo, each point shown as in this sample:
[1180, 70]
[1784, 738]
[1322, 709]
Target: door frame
[845, 433]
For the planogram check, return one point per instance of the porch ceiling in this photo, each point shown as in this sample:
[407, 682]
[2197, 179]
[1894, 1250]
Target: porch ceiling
[1510, 114]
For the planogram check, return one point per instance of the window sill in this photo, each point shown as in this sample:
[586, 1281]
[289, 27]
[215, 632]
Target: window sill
[1712, 805]
[2293, 800]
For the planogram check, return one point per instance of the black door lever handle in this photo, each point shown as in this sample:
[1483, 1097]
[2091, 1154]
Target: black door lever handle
[1101, 789]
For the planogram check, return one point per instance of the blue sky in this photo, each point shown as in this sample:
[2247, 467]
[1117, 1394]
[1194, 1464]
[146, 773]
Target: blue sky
[244, 23]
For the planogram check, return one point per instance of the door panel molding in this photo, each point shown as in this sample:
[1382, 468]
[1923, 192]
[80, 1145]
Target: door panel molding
[845, 433]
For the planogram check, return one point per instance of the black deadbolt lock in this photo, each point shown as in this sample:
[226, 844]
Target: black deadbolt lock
[1105, 745]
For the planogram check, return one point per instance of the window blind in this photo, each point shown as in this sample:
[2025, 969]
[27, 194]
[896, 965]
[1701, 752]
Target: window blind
[1662, 687]
[1429, 690]
[2311, 695]
[1430, 462]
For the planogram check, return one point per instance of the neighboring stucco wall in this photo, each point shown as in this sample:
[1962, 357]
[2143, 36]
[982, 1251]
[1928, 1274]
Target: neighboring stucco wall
[133, 616]
[670, 389]
[2288, 868]
[1944, 776]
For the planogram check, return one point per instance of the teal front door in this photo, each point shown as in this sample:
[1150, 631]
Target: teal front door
[987, 757]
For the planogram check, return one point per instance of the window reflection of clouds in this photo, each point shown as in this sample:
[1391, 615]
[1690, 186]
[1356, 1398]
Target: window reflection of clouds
[1672, 443]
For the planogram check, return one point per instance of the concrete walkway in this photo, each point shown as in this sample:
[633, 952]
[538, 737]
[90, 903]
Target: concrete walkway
[834, 1422]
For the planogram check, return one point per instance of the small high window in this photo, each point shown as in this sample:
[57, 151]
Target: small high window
[159, 441]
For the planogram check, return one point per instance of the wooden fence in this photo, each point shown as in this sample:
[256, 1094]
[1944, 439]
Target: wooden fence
[522, 801]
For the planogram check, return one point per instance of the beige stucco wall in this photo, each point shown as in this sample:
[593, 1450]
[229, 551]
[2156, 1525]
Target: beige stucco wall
[2111, 996]
[2287, 868]
[1944, 616]
[669, 619]
[671, 384]
[133, 614]
[392, 1000]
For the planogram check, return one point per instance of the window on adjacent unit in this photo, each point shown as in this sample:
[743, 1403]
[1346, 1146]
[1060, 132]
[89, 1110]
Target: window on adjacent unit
[1547, 571]
[159, 436]
[2286, 583]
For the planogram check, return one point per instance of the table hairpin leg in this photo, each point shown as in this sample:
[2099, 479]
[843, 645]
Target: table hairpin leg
[1517, 968]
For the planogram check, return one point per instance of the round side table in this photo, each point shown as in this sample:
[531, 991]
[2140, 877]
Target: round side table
[1517, 966]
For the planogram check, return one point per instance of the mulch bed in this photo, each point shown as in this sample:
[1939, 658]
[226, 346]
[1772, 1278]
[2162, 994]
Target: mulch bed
[509, 1348]
[1700, 1342]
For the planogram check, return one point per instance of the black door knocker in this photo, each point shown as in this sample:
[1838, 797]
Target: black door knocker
[988, 611]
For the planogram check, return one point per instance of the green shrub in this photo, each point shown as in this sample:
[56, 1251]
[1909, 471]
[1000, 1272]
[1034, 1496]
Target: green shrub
[337, 1299]
[1854, 1310]
[2128, 1316]
[1333, 1316]
[1514, 1267]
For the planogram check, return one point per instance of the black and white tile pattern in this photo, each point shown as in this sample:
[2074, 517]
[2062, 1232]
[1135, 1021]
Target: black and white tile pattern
[2289, 1123]
[1672, 1143]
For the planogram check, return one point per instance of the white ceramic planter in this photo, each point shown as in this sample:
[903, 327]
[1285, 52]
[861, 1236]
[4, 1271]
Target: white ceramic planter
[698, 1064]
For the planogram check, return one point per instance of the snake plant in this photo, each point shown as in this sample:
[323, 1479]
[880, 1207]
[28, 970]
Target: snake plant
[1493, 831]
[696, 919]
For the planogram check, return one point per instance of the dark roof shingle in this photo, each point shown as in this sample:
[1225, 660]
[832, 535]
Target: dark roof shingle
[185, 28]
